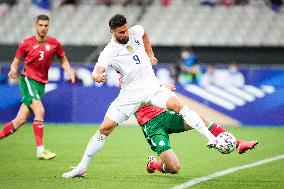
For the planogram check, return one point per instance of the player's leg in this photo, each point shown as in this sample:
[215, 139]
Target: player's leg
[168, 163]
[12, 126]
[112, 119]
[38, 124]
[95, 144]
[33, 92]
[242, 145]
[155, 131]
[167, 99]
[171, 161]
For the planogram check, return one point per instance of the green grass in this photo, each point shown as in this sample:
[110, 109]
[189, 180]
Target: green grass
[121, 163]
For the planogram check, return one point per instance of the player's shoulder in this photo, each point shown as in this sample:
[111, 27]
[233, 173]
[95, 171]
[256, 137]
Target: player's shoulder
[136, 29]
[50, 39]
[110, 49]
[28, 40]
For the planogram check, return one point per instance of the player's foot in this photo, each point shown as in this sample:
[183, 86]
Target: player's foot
[212, 143]
[150, 168]
[75, 172]
[46, 155]
[1, 135]
[243, 146]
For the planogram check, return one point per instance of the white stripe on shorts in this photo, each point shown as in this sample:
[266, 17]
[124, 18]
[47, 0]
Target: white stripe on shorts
[29, 86]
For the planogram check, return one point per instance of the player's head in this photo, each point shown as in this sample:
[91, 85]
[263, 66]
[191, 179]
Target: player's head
[119, 28]
[41, 25]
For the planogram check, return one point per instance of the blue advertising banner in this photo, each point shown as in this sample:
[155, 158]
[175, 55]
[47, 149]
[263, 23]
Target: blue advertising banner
[258, 101]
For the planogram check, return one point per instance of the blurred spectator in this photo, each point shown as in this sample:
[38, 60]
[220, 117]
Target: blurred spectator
[104, 2]
[226, 3]
[176, 71]
[70, 2]
[230, 77]
[9, 2]
[42, 4]
[189, 67]
[241, 2]
[165, 2]
[125, 2]
[275, 5]
[208, 2]
[235, 77]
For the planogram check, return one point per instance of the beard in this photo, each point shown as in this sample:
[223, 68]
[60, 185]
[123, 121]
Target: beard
[123, 40]
[41, 34]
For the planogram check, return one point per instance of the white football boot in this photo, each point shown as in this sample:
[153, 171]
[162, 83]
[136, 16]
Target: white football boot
[75, 172]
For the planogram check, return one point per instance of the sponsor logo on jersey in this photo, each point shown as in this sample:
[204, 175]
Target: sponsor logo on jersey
[35, 47]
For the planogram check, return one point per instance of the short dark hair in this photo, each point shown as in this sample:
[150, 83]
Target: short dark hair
[117, 21]
[42, 17]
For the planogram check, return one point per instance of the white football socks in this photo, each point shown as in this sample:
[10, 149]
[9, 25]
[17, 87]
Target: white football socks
[195, 121]
[39, 149]
[94, 145]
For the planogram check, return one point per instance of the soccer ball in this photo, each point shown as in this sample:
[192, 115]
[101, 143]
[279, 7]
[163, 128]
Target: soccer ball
[226, 143]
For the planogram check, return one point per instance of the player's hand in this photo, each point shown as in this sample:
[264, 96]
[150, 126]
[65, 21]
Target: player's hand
[71, 75]
[171, 86]
[12, 73]
[99, 78]
[153, 60]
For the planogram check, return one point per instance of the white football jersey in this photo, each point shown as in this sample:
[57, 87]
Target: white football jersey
[130, 61]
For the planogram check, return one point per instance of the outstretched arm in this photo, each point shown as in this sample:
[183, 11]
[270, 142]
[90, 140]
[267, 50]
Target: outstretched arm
[66, 66]
[148, 49]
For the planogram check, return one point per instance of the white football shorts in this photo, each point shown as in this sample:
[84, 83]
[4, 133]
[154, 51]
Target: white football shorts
[128, 102]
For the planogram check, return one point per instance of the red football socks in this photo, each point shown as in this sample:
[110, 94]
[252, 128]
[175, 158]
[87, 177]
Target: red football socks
[38, 131]
[7, 130]
[216, 129]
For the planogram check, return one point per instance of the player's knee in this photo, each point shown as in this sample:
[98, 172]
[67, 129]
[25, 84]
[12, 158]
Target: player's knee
[174, 105]
[105, 131]
[39, 113]
[174, 169]
[107, 127]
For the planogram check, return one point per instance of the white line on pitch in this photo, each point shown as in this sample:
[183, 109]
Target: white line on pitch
[226, 172]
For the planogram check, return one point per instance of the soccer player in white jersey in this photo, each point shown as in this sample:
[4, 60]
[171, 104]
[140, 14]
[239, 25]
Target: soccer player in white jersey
[130, 54]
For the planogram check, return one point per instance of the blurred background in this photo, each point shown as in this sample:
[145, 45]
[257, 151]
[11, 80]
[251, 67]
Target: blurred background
[226, 57]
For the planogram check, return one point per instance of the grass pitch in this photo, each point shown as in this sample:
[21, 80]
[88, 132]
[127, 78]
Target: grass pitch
[121, 163]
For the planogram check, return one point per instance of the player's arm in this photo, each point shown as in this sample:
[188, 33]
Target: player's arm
[14, 68]
[99, 74]
[148, 49]
[67, 68]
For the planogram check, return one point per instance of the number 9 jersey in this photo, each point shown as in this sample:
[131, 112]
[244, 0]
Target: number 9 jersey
[130, 61]
[38, 57]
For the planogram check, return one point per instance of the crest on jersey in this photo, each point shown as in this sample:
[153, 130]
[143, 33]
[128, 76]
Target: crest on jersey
[129, 48]
[47, 47]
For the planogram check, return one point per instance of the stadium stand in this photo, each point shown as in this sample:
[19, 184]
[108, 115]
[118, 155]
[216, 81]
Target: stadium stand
[191, 23]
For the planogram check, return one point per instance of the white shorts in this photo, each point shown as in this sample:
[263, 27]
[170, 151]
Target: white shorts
[128, 102]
